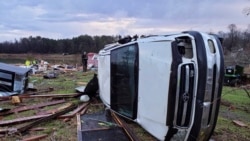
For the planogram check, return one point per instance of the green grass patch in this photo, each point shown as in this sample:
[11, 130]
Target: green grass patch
[236, 96]
[225, 126]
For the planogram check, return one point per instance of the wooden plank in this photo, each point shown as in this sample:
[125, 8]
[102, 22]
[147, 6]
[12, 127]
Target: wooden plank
[30, 107]
[7, 130]
[19, 120]
[24, 119]
[71, 95]
[44, 119]
[73, 113]
[79, 127]
[52, 111]
[239, 123]
[35, 138]
[37, 129]
[131, 134]
[83, 111]
[10, 130]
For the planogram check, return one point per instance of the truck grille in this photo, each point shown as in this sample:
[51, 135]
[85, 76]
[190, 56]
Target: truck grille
[184, 95]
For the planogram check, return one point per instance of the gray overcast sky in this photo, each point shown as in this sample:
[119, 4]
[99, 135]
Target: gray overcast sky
[59, 19]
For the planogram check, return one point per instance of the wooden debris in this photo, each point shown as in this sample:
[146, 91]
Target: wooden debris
[77, 110]
[239, 123]
[35, 138]
[66, 119]
[16, 100]
[131, 135]
[79, 127]
[18, 120]
[7, 130]
[24, 119]
[81, 83]
[50, 89]
[10, 130]
[37, 129]
[39, 121]
[71, 95]
[25, 108]
[52, 111]
[84, 111]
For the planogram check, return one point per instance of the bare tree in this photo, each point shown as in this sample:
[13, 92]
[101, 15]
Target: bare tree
[232, 36]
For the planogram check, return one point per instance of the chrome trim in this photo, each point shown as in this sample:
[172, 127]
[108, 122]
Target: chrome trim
[184, 96]
[205, 114]
[177, 95]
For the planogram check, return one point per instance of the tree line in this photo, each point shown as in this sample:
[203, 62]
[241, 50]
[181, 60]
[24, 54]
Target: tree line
[234, 39]
[49, 46]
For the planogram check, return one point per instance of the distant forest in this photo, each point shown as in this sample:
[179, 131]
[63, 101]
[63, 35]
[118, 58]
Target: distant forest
[43, 45]
[234, 39]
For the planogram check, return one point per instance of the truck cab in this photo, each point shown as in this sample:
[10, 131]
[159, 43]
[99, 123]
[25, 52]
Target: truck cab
[169, 84]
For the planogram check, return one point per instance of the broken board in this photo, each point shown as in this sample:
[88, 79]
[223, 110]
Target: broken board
[99, 126]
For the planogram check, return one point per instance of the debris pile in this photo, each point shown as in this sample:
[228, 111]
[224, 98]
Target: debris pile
[22, 117]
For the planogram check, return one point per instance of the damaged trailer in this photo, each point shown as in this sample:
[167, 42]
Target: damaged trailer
[169, 84]
[13, 79]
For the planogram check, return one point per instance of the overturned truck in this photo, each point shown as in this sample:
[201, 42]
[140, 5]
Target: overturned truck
[169, 84]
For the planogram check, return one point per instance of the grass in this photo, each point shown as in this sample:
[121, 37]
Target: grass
[236, 96]
[225, 129]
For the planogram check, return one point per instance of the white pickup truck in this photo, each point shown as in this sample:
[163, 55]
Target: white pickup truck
[169, 84]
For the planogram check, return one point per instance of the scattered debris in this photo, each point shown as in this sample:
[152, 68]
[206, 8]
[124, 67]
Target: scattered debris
[18, 124]
[239, 123]
[20, 120]
[3, 110]
[39, 121]
[54, 110]
[70, 95]
[84, 98]
[30, 107]
[80, 108]
[51, 75]
[15, 100]
[35, 138]
[80, 89]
